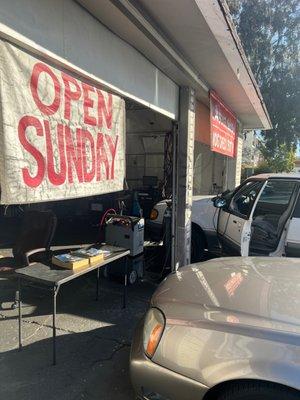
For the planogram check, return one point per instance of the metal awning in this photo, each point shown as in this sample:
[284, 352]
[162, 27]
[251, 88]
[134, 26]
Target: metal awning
[194, 43]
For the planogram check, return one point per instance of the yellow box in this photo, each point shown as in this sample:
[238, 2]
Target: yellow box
[69, 261]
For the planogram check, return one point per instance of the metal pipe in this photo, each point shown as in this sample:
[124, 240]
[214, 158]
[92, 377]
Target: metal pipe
[55, 291]
[18, 298]
[125, 283]
[97, 285]
[174, 196]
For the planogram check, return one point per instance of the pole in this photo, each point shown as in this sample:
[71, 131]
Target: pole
[18, 295]
[97, 287]
[55, 292]
[125, 283]
[185, 174]
[174, 196]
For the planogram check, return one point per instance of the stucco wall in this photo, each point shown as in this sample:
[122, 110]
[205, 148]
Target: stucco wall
[209, 169]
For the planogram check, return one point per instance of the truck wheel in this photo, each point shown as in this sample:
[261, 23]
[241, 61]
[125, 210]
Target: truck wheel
[257, 391]
[197, 245]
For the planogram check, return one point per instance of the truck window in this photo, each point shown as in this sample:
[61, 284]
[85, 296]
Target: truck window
[244, 199]
[296, 213]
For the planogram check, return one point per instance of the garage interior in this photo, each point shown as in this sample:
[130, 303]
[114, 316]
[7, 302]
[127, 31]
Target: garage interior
[148, 179]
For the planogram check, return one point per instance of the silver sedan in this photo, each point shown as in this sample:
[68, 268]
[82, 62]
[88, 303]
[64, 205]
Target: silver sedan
[225, 329]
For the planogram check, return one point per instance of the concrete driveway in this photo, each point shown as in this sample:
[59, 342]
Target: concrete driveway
[93, 342]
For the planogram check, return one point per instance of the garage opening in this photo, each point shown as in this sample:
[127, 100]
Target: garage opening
[148, 180]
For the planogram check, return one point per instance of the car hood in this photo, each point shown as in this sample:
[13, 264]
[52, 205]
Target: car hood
[241, 291]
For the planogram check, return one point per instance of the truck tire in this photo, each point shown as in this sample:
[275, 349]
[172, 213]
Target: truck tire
[257, 391]
[197, 244]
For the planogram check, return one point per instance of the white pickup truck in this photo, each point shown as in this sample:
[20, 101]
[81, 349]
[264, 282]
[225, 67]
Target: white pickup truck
[259, 217]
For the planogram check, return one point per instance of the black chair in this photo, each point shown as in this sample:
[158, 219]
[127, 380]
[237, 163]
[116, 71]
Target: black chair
[32, 244]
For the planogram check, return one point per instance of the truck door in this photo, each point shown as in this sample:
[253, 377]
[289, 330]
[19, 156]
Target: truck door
[271, 213]
[292, 245]
[234, 223]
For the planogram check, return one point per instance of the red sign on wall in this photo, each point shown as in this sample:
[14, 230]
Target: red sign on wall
[223, 127]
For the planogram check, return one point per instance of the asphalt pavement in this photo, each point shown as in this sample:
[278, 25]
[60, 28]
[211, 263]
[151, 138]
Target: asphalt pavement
[93, 342]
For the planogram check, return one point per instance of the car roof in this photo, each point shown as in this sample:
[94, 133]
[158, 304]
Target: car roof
[264, 177]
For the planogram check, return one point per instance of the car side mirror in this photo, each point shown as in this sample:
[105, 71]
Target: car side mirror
[219, 202]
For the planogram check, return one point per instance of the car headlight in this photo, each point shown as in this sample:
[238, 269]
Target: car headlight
[153, 329]
[153, 214]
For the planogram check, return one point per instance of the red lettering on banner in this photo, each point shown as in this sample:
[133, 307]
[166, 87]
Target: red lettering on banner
[87, 142]
[113, 149]
[24, 123]
[88, 103]
[223, 127]
[102, 158]
[104, 111]
[70, 95]
[56, 178]
[89, 158]
[47, 109]
[73, 154]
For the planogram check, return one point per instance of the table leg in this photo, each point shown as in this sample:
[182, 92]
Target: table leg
[125, 283]
[97, 287]
[55, 292]
[18, 296]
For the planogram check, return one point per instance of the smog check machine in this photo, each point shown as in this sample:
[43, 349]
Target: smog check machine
[127, 232]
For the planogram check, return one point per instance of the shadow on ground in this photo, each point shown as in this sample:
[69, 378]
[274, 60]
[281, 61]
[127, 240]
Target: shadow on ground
[93, 342]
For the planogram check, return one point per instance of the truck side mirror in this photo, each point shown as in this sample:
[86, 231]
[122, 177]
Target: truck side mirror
[219, 202]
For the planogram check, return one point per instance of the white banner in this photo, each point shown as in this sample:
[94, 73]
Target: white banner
[60, 137]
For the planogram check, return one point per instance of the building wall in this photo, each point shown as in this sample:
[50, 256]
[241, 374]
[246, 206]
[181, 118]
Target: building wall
[251, 154]
[296, 169]
[145, 135]
[64, 28]
[202, 123]
[213, 172]
[209, 170]
[234, 166]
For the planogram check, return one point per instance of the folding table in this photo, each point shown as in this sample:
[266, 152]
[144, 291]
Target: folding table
[51, 277]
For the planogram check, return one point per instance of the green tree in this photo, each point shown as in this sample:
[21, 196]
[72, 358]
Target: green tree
[279, 159]
[270, 33]
[262, 168]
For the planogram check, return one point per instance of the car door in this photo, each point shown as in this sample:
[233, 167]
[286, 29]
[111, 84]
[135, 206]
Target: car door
[292, 242]
[270, 216]
[234, 224]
